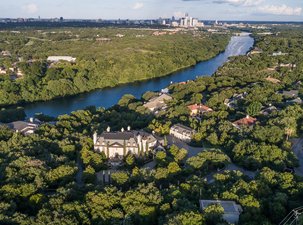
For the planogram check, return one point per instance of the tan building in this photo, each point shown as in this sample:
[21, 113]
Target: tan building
[158, 103]
[182, 132]
[198, 109]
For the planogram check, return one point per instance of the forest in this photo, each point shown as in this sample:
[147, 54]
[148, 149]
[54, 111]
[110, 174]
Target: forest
[51, 177]
[105, 57]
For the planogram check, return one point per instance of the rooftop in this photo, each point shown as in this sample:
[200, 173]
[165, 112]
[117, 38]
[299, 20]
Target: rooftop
[229, 207]
[247, 121]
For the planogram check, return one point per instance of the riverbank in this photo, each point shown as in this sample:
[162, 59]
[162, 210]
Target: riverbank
[102, 62]
[110, 96]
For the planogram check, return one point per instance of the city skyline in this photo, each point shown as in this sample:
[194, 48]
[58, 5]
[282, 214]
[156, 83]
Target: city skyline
[256, 10]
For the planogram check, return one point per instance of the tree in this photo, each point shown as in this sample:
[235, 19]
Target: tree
[213, 214]
[187, 218]
[120, 178]
[254, 108]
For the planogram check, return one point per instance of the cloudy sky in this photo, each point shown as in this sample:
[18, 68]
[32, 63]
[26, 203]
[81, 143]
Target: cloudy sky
[273, 10]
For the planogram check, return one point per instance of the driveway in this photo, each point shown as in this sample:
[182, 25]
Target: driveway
[297, 148]
[192, 151]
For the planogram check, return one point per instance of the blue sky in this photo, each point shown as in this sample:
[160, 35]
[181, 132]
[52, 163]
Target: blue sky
[274, 10]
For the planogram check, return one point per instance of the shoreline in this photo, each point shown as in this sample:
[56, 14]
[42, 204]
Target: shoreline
[21, 104]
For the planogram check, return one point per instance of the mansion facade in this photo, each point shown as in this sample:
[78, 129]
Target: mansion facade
[119, 144]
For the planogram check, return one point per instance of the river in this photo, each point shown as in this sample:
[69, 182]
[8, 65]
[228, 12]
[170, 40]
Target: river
[238, 45]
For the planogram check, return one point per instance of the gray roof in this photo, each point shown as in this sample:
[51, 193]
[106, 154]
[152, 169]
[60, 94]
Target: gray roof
[158, 102]
[22, 126]
[181, 128]
[228, 206]
[292, 93]
[119, 138]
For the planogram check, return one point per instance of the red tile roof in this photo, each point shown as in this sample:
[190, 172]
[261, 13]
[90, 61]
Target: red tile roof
[247, 121]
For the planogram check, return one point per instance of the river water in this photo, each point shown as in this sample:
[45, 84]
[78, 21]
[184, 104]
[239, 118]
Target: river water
[238, 45]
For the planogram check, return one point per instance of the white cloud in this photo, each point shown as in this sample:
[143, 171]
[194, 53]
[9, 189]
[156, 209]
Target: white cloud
[30, 8]
[239, 2]
[138, 5]
[281, 10]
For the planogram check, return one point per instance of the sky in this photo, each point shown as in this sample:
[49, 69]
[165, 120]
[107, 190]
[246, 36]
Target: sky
[259, 10]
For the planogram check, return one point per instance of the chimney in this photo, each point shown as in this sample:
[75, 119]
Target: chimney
[108, 129]
[31, 120]
[128, 128]
[122, 129]
[247, 116]
[95, 136]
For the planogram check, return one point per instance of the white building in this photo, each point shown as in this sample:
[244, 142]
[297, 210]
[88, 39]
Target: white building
[182, 132]
[232, 210]
[119, 144]
[61, 58]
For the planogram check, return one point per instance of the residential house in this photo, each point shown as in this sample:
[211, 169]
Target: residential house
[297, 100]
[120, 35]
[290, 94]
[248, 121]
[273, 80]
[182, 132]
[103, 39]
[119, 144]
[288, 65]
[6, 53]
[279, 54]
[198, 109]
[158, 103]
[232, 102]
[232, 210]
[61, 58]
[2, 70]
[24, 127]
[256, 50]
[268, 110]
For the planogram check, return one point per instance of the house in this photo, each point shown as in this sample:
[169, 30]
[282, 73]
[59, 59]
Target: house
[273, 80]
[279, 54]
[6, 53]
[24, 127]
[120, 35]
[158, 103]
[103, 39]
[61, 58]
[288, 65]
[256, 50]
[232, 102]
[182, 132]
[295, 101]
[268, 110]
[232, 210]
[119, 144]
[290, 94]
[2, 70]
[248, 121]
[198, 109]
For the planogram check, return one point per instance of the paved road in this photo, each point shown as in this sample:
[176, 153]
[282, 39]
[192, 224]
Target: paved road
[298, 150]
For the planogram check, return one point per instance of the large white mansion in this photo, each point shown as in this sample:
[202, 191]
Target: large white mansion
[119, 144]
